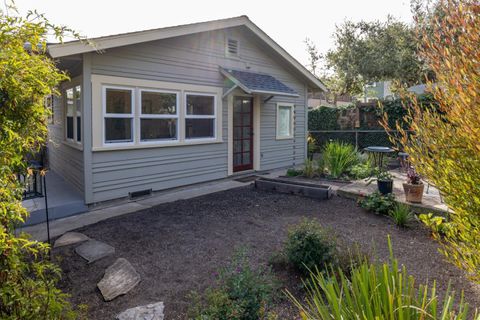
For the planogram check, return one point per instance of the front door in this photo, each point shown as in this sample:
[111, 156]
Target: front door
[242, 133]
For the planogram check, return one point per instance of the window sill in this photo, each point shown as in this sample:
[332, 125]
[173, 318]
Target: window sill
[145, 145]
[284, 138]
[73, 145]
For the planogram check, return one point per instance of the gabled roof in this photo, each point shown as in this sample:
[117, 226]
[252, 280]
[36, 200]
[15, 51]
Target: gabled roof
[103, 43]
[258, 83]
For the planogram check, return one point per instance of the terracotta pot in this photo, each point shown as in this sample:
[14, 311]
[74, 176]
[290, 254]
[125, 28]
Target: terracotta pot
[413, 192]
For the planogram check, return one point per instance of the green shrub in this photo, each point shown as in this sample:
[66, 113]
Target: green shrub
[437, 224]
[338, 158]
[401, 215]
[379, 203]
[242, 292]
[309, 245]
[360, 171]
[375, 291]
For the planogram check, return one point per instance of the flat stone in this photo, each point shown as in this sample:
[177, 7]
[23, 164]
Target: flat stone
[93, 250]
[152, 311]
[70, 238]
[119, 278]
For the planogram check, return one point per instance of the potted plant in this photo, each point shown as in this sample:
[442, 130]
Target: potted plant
[413, 188]
[384, 181]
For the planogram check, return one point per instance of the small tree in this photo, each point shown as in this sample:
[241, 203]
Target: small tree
[27, 75]
[445, 147]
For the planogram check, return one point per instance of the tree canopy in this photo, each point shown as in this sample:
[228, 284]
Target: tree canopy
[365, 52]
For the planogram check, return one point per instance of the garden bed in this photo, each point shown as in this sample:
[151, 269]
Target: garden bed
[178, 247]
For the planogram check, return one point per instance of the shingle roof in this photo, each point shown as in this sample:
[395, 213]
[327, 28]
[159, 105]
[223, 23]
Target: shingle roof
[252, 82]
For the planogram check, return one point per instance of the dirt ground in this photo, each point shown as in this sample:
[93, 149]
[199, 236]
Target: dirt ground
[177, 247]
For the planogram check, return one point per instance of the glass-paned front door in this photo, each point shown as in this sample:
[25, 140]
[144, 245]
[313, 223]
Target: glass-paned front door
[242, 133]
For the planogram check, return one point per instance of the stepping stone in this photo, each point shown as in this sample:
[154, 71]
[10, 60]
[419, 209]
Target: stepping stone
[119, 278]
[93, 250]
[152, 311]
[70, 238]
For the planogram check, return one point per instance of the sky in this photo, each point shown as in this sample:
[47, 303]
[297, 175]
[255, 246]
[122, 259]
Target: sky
[288, 23]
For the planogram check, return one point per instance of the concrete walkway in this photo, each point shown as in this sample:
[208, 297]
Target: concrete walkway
[121, 207]
[432, 201]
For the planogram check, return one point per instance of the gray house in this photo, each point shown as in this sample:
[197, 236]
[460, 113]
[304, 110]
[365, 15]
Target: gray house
[174, 106]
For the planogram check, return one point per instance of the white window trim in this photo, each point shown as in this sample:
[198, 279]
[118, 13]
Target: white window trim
[292, 121]
[130, 115]
[191, 116]
[98, 106]
[76, 82]
[159, 116]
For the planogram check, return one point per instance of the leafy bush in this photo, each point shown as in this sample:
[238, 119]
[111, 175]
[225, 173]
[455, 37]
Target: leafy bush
[375, 291]
[401, 215]
[242, 292]
[323, 118]
[437, 224]
[309, 245]
[360, 171]
[28, 279]
[379, 203]
[338, 157]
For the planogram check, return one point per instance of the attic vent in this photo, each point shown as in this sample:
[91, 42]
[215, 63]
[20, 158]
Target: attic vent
[232, 47]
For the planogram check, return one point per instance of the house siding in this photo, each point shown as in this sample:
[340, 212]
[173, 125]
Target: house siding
[192, 59]
[64, 159]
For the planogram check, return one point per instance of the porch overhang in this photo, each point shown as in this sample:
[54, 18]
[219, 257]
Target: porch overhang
[257, 83]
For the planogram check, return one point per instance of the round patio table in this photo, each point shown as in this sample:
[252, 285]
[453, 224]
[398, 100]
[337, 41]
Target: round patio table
[378, 153]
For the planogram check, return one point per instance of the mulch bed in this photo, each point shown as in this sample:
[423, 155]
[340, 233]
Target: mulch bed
[177, 247]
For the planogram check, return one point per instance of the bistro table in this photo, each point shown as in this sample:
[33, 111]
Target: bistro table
[378, 153]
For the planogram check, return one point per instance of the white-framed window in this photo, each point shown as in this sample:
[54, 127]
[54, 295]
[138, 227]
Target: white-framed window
[73, 114]
[118, 114]
[200, 116]
[158, 115]
[285, 121]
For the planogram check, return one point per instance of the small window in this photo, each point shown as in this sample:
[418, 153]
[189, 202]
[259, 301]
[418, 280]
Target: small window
[118, 115]
[200, 116]
[78, 113]
[284, 121]
[159, 116]
[70, 113]
[232, 47]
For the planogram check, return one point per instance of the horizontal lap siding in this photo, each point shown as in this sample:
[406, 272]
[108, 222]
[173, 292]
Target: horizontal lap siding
[193, 59]
[65, 160]
[282, 153]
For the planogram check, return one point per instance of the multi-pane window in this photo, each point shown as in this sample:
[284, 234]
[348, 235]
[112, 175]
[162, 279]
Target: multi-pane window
[200, 116]
[146, 116]
[284, 121]
[158, 115]
[73, 119]
[119, 115]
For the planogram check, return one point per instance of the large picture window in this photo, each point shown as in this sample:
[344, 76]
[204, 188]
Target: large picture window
[137, 113]
[119, 115]
[285, 121]
[200, 116]
[73, 114]
[158, 116]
